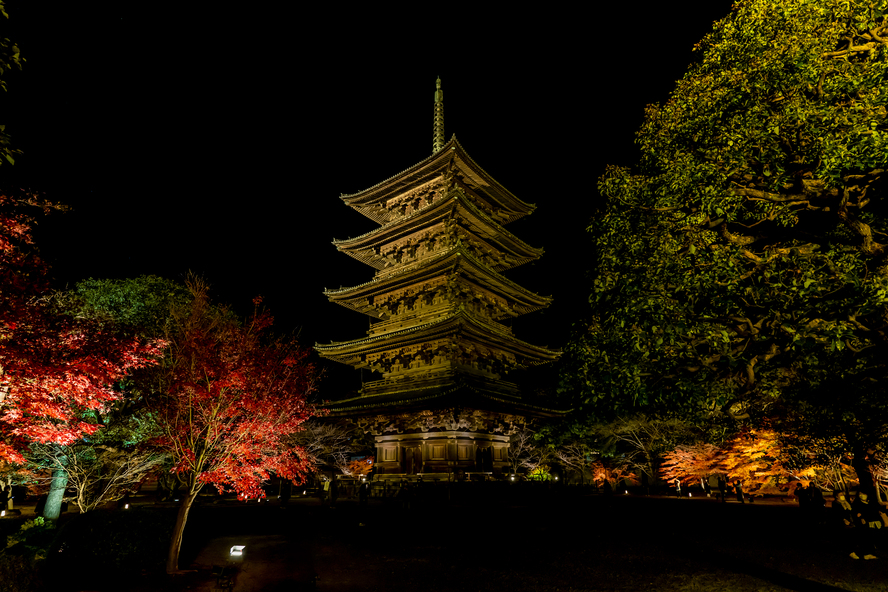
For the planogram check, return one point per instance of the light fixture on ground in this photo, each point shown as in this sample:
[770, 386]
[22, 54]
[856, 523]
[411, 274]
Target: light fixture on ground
[237, 552]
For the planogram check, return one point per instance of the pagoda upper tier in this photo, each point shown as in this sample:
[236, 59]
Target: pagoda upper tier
[452, 341]
[427, 181]
[438, 224]
[446, 280]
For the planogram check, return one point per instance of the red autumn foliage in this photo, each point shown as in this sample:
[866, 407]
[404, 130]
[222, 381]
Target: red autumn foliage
[52, 367]
[230, 401]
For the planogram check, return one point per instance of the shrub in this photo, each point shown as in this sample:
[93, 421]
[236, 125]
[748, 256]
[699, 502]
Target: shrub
[21, 561]
[120, 542]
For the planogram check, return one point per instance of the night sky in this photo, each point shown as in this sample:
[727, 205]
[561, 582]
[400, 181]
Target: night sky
[220, 141]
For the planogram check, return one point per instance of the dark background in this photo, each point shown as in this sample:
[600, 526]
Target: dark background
[219, 138]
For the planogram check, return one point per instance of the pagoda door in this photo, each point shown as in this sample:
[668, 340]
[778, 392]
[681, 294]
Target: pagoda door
[411, 462]
[484, 459]
[487, 459]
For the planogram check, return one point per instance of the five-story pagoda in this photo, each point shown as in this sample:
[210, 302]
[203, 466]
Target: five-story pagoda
[439, 300]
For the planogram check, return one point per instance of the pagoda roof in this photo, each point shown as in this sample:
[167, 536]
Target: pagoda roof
[457, 257]
[371, 202]
[460, 390]
[485, 226]
[349, 352]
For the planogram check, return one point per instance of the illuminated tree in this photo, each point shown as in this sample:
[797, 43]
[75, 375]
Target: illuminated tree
[755, 458]
[575, 455]
[359, 467]
[139, 306]
[613, 470]
[13, 475]
[98, 473]
[526, 453]
[105, 466]
[690, 463]
[54, 370]
[745, 256]
[229, 400]
[641, 441]
[326, 443]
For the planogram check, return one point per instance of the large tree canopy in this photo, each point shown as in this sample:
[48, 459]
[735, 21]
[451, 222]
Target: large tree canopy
[53, 369]
[742, 262]
[229, 399]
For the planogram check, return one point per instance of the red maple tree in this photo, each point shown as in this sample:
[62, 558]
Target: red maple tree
[230, 401]
[52, 367]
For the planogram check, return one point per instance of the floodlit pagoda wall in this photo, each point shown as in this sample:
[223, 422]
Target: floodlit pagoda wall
[441, 452]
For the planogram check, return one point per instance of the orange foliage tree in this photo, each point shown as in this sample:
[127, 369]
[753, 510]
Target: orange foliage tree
[359, 467]
[690, 463]
[612, 471]
[755, 458]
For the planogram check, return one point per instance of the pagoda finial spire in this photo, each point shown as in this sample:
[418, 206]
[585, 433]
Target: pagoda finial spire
[438, 138]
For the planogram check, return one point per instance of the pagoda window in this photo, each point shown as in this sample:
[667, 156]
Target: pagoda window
[390, 454]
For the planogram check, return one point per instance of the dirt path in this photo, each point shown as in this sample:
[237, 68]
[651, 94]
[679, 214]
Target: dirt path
[550, 544]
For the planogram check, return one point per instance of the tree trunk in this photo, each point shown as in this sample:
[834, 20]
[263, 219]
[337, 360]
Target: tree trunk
[8, 489]
[172, 565]
[56, 492]
[864, 471]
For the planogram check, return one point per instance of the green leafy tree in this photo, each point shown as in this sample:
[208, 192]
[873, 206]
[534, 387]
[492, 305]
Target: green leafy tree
[134, 305]
[10, 59]
[740, 267]
[105, 466]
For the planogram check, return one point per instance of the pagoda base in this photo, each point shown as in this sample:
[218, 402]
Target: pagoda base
[451, 452]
